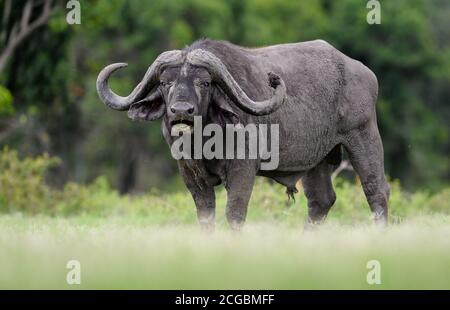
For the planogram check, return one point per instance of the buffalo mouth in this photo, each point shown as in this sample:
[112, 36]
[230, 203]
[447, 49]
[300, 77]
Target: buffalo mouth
[182, 125]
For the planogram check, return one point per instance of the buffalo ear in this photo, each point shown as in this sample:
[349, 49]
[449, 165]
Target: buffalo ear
[223, 107]
[150, 108]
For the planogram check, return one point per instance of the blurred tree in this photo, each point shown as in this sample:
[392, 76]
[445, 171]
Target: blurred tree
[37, 75]
[403, 53]
[19, 22]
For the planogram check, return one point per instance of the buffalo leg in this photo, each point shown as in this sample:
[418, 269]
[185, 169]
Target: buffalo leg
[205, 202]
[203, 195]
[319, 192]
[366, 155]
[239, 186]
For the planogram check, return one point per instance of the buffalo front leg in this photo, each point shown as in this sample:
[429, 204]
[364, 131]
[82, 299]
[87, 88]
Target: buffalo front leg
[202, 193]
[205, 202]
[239, 186]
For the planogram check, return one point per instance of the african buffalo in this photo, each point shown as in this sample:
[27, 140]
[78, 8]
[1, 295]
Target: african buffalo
[322, 100]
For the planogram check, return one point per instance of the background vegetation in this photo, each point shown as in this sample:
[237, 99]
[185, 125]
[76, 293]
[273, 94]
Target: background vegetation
[48, 101]
[24, 191]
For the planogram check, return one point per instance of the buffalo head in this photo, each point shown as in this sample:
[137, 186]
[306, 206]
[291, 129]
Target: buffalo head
[181, 85]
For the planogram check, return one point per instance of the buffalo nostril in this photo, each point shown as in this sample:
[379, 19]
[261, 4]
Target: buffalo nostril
[182, 107]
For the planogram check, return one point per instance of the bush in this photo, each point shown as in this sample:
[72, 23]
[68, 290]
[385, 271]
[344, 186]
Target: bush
[22, 184]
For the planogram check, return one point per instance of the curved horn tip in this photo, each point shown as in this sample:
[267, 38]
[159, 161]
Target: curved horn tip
[105, 93]
[113, 67]
[120, 64]
[108, 70]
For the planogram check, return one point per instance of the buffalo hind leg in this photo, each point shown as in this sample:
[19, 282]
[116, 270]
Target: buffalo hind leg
[319, 192]
[365, 150]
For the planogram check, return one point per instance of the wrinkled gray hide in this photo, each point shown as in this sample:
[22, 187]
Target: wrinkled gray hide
[323, 101]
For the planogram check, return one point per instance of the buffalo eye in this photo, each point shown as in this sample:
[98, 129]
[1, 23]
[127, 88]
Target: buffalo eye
[165, 84]
[205, 84]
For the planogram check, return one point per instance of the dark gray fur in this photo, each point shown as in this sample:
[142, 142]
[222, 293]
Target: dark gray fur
[330, 104]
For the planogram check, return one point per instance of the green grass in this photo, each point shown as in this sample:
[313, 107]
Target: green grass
[152, 241]
[133, 253]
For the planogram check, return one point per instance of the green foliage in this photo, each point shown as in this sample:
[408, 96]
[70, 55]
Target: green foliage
[275, 22]
[23, 190]
[6, 107]
[52, 78]
[22, 184]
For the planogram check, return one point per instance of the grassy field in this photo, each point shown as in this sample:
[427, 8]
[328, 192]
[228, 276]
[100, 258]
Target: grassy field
[133, 253]
[152, 241]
